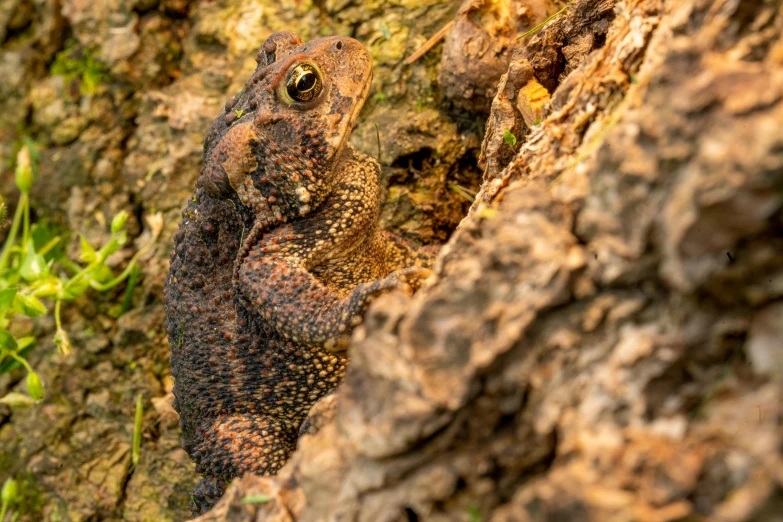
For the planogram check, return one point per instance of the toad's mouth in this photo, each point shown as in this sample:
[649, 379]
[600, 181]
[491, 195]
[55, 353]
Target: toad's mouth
[353, 116]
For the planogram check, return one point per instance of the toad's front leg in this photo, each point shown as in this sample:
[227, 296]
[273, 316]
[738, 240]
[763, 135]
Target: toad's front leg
[277, 280]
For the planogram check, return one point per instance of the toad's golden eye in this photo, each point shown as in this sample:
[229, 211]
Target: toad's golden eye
[304, 83]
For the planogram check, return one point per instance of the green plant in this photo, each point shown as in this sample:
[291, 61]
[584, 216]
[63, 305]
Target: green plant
[480, 128]
[255, 499]
[75, 63]
[542, 24]
[21, 498]
[8, 496]
[385, 31]
[137, 422]
[34, 267]
[378, 139]
[462, 191]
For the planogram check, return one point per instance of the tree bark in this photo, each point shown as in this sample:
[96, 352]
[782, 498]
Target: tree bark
[603, 336]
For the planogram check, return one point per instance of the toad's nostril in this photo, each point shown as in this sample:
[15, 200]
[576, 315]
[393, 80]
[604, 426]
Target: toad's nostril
[339, 45]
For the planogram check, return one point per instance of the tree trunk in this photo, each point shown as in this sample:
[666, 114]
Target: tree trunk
[603, 336]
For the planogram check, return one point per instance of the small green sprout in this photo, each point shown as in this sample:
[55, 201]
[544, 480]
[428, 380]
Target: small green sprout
[480, 128]
[385, 31]
[509, 138]
[255, 499]
[378, 138]
[127, 296]
[75, 63]
[462, 191]
[136, 452]
[8, 496]
[35, 386]
[24, 170]
[239, 113]
[542, 24]
[119, 222]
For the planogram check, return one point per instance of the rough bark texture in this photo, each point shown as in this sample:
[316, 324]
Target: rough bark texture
[602, 338]
[478, 48]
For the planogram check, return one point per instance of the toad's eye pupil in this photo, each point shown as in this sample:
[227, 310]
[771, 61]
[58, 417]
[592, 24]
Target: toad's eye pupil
[304, 83]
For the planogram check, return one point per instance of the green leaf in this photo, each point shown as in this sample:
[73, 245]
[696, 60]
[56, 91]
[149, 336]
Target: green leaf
[24, 170]
[35, 386]
[51, 286]
[101, 274]
[255, 499]
[118, 222]
[24, 342]
[17, 400]
[9, 363]
[462, 191]
[48, 241]
[138, 418]
[7, 342]
[509, 138]
[75, 289]
[114, 244]
[29, 305]
[34, 266]
[114, 311]
[10, 277]
[77, 63]
[542, 24]
[385, 31]
[88, 253]
[7, 298]
[10, 492]
[127, 298]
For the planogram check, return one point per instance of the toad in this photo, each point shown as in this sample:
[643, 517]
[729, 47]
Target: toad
[277, 257]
